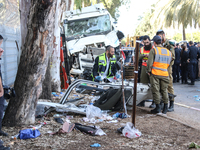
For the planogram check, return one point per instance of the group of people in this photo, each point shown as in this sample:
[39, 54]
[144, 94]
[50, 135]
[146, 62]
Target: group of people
[157, 61]
[186, 63]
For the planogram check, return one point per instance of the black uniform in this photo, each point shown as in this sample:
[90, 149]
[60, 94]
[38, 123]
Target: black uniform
[184, 66]
[193, 53]
[176, 66]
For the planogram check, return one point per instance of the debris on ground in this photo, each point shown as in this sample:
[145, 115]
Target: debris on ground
[95, 145]
[194, 145]
[130, 131]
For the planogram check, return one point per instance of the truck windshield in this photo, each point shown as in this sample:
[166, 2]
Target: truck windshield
[88, 26]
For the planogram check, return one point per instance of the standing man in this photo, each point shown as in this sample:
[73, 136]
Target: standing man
[143, 57]
[2, 101]
[105, 66]
[167, 44]
[192, 61]
[157, 65]
[198, 46]
[176, 66]
[140, 63]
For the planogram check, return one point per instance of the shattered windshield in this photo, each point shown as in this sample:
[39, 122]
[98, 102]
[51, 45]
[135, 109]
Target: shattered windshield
[88, 26]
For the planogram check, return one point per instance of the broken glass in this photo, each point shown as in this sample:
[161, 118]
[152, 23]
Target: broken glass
[87, 26]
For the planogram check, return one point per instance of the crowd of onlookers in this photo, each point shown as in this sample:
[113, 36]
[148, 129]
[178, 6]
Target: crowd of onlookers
[187, 63]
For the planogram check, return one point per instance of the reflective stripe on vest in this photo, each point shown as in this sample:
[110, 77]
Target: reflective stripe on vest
[103, 63]
[162, 60]
[144, 52]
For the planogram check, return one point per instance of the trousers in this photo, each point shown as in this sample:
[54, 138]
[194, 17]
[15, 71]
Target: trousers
[159, 87]
[170, 86]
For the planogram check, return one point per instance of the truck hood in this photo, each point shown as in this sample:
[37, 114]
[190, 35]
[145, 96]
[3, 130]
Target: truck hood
[78, 45]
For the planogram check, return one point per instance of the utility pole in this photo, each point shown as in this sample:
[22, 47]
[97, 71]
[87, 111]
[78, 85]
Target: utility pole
[135, 82]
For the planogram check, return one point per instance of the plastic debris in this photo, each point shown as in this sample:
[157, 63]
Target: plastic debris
[95, 145]
[197, 98]
[112, 121]
[92, 130]
[29, 133]
[66, 128]
[69, 117]
[58, 115]
[59, 120]
[92, 112]
[194, 145]
[119, 115]
[131, 132]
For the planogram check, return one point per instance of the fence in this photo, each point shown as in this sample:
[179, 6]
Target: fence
[10, 59]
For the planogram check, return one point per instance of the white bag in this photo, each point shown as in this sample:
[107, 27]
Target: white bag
[92, 112]
[131, 132]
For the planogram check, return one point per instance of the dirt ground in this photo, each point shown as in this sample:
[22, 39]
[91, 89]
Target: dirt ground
[157, 133]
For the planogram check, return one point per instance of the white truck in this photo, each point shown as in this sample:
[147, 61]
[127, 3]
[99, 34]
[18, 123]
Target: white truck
[87, 32]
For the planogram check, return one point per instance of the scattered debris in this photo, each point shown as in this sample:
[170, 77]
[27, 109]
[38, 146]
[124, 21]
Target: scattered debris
[59, 120]
[66, 128]
[29, 133]
[130, 131]
[194, 145]
[95, 145]
[92, 130]
[119, 115]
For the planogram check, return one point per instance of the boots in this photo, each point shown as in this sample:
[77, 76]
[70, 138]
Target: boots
[153, 105]
[161, 105]
[171, 106]
[165, 109]
[157, 109]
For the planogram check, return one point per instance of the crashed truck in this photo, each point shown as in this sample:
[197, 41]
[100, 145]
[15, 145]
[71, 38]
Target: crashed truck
[86, 32]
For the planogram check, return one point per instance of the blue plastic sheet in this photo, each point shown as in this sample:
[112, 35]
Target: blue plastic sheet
[28, 133]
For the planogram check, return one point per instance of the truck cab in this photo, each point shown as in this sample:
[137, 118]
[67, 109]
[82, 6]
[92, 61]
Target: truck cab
[87, 32]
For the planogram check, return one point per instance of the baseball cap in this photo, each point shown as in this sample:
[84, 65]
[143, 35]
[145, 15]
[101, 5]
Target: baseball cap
[157, 39]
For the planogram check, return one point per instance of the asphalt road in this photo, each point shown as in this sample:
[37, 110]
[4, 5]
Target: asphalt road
[187, 108]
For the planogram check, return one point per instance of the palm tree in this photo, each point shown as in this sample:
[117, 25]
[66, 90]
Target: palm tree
[178, 12]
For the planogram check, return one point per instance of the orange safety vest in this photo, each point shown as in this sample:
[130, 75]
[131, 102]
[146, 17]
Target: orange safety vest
[145, 52]
[162, 60]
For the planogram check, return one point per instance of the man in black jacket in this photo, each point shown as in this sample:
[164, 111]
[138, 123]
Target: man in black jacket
[192, 61]
[176, 66]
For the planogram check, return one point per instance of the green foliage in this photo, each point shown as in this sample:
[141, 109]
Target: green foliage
[177, 37]
[146, 27]
[195, 36]
[178, 12]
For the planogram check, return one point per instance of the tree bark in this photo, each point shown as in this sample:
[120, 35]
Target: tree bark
[46, 86]
[24, 12]
[33, 63]
[184, 36]
[55, 57]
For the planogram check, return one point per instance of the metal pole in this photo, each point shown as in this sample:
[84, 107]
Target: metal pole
[122, 78]
[135, 82]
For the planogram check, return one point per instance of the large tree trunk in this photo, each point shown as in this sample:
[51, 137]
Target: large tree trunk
[184, 36]
[46, 85]
[24, 12]
[55, 57]
[33, 63]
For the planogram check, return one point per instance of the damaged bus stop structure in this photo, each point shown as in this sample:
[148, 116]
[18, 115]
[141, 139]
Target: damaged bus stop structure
[107, 96]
